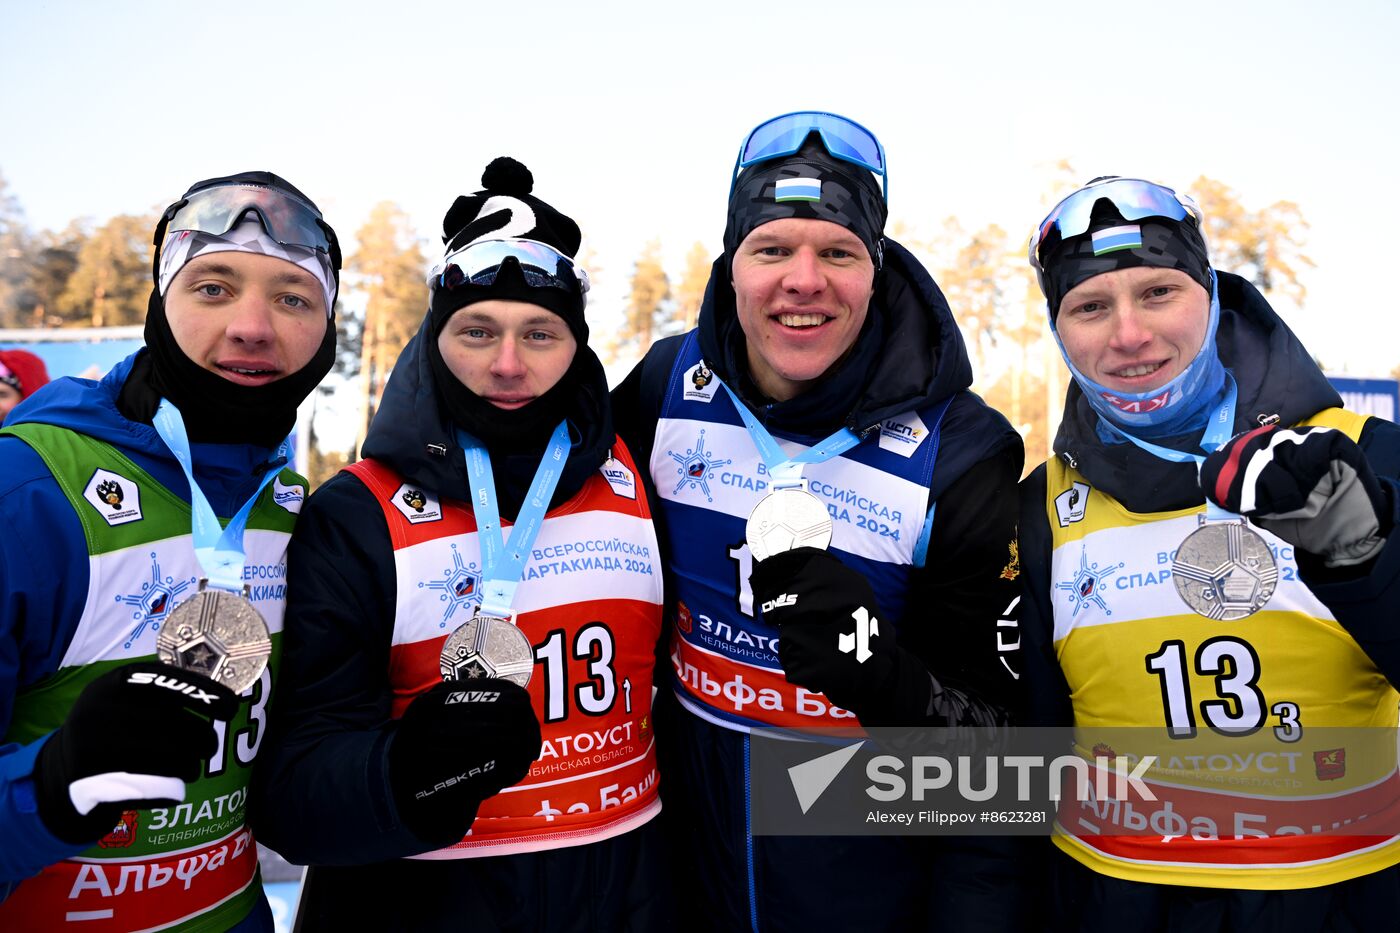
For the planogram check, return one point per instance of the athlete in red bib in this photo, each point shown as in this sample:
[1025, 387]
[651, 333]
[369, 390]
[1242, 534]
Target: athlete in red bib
[497, 531]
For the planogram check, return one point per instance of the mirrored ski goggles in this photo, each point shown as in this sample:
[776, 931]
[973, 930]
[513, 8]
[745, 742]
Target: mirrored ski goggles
[287, 219]
[541, 265]
[844, 139]
[1134, 199]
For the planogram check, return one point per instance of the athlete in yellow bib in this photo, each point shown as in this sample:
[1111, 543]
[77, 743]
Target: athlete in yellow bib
[1243, 640]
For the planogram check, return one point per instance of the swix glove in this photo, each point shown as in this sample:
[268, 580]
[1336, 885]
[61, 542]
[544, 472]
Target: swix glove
[132, 740]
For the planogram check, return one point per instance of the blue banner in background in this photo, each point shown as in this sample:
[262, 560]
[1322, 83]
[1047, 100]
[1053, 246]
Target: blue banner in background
[90, 353]
[1378, 397]
[87, 359]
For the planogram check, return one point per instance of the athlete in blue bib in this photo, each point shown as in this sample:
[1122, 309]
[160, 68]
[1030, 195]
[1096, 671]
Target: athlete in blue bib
[825, 359]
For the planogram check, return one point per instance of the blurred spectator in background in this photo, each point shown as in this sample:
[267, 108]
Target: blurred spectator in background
[21, 375]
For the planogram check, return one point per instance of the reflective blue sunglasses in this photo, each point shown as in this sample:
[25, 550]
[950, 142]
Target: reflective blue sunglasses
[1134, 198]
[843, 138]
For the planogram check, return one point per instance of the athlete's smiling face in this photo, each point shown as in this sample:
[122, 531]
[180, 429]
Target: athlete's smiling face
[802, 288]
[1134, 330]
[252, 319]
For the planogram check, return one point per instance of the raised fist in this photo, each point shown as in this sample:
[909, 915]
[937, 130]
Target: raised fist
[1310, 486]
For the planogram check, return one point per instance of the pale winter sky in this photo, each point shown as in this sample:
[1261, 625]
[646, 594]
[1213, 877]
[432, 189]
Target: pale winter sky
[629, 114]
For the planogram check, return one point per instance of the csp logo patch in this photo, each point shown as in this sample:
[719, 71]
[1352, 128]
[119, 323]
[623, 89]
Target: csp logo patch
[116, 498]
[620, 478]
[903, 435]
[289, 497]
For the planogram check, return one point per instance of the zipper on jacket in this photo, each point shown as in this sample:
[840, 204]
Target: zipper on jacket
[748, 839]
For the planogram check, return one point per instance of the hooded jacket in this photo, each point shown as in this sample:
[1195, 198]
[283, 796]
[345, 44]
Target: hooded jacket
[327, 752]
[908, 355]
[1278, 383]
[44, 567]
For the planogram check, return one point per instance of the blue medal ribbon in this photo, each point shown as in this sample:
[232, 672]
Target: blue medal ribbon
[784, 470]
[1219, 429]
[219, 550]
[503, 563]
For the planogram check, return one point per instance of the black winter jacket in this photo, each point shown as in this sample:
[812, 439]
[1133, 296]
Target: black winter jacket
[322, 793]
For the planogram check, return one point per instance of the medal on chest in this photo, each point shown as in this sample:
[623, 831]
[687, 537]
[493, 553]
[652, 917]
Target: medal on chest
[218, 634]
[1225, 570]
[786, 518]
[490, 644]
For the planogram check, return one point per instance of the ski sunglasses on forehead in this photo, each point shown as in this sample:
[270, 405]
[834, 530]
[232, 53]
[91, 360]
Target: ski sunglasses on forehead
[1133, 198]
[783, 136]
[541, 266]
[286, 218]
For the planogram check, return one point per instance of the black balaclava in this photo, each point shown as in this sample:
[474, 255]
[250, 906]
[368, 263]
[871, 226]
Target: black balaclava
[216, 410]
[506, 205]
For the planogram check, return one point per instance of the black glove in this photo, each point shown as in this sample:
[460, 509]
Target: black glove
[831, 640]
[1310, 486]
[456, 745]
[131, 740]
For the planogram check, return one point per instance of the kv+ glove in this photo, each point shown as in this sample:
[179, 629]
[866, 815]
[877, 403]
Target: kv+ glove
[132, 739]
[1310, 486]
[455, 746]
[831, 639]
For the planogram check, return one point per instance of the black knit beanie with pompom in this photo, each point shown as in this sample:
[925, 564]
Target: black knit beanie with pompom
[505, 209]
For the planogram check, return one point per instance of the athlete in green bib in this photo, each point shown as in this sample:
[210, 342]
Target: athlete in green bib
[123, 780]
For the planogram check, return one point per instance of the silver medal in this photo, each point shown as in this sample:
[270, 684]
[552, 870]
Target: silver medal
[1224, 570]
[488, 646]
[218, 634]
[787, 518]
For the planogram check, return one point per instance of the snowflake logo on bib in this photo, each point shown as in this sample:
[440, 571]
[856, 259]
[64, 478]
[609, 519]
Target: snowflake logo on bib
[460, 586]
[697, 468]
[154, 602]
[1087, 585]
